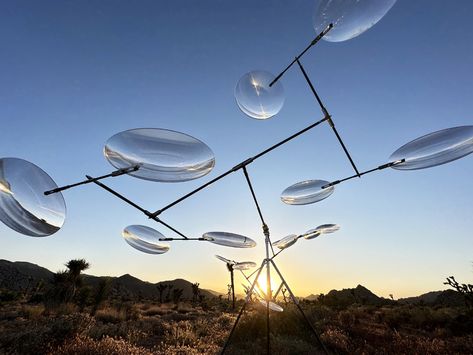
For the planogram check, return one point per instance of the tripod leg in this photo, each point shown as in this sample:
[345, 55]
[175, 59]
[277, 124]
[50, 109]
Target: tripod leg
[247, 299]
[296, 302]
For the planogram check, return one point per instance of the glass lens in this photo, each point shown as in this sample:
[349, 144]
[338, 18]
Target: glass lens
[306, 192]
[272, 306]
[225, 260]
[23, 205]
[163, 155]
[256, 98]
[145, 239]
[350, 18]
[327, 228]
[229, 239]
[312, 233]
[434, 149]
[244, 265]
[286, 242]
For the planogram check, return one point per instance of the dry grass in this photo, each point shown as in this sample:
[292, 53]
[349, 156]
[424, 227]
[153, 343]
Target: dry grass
[145, 328]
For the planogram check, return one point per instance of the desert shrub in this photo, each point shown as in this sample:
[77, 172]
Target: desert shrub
[32, 311]
[8, 296]
[110, 315]
[154, 311]
[105, 346]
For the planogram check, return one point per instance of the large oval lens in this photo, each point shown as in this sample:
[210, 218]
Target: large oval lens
[256, 98]
[229, 239]
[23, 205]
[145, 239]
[286, 242]
[306, 192]
[434, 149]
[350, 18]
[162, 155]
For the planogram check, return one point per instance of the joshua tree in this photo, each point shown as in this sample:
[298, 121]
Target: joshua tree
[75, 266]
[161, 288]
[168, 295]
[176, 295]
[465, 289]
[100, 294]
[195, 292]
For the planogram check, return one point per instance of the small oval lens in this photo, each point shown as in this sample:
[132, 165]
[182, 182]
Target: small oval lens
[306, 192]
[145, 239]
[229, 239]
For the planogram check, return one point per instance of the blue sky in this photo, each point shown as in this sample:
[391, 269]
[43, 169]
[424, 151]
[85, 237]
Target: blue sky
[73, 73]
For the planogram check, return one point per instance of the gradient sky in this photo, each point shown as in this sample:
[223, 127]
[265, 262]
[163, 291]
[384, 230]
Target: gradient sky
[73, 73]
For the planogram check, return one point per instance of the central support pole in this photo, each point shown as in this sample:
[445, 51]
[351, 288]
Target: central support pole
[268, 287]
[233, 287]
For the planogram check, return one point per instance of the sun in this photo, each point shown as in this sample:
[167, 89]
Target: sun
[261, 287]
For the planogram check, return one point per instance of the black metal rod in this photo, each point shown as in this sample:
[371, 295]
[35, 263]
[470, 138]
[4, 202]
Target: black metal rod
[381, 167]
[312, 88]
[314, 41]
[118, 172]
[247, 299]
[325, 112]
[296, 302]
[131, 203]
[174, 239]
[250, 185]
[344, 148]
[237, 167]
[233, 288]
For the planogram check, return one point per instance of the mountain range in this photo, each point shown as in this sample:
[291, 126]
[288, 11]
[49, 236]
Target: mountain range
[21, 276]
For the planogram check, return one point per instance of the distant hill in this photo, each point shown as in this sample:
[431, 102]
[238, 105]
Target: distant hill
[21, 276]
[360, 295]
[447, 298]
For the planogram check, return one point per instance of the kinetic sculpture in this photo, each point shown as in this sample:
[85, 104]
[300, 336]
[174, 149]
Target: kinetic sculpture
[32, 204]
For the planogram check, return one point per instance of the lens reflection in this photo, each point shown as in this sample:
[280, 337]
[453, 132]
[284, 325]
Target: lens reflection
[162, 155]
[350, 18]
[23, 205]
[145, 239]
[306, 192]
[434, 149]
[272, 306]
[256, 98]
[229, 239]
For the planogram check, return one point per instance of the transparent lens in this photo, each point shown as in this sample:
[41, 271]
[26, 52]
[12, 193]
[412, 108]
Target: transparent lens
[312, 234]
[145, 239]
[256, 98]
[306, 192]
[225, 260]
[162, 155]
[435, 149]
[229, 239]
[350, 18]
[23, 205]
[244, 265]
[286, 242]
[327, 228]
